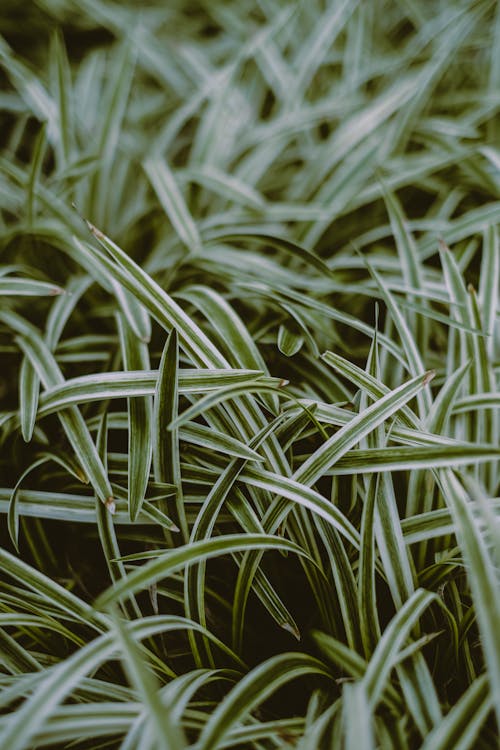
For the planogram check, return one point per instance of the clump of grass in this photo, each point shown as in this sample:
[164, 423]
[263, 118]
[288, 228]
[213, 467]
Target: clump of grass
[249, 472]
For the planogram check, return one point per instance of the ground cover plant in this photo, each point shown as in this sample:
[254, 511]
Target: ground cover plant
[249, 271]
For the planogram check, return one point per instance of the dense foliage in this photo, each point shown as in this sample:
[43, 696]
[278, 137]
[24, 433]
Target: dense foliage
[249, 273]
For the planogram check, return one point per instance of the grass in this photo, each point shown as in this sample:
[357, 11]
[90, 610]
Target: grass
[250, 356]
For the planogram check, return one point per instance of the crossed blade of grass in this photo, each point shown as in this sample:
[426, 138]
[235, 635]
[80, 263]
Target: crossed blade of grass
[357, 435]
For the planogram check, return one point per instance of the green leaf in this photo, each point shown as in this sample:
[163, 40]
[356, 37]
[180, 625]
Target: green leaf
[195, 552]
[173, 203]
[224, 394]
[483, 578]
[460, 727]
[29, 391]
[19, 287]
[335, 447]
[253, 690]
[76, 429]
[166, 442]
[357, 718]
[140, 412]
[393, 638]
[169, 735]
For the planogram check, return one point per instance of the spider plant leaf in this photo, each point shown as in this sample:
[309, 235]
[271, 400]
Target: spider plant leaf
[166, 458]
[203, 549]
[135, 356]
[173, 203]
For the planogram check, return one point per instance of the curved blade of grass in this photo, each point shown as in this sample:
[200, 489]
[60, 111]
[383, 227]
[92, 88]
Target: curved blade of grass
[13, 512]
[194, 581]
[29, 381]
[477, 401]
[105, 527]
[392, 640]
[29, 391]
[16, 659]
[396, 560]
[61, 679]
[288, 294]
[490, 271]
[240, 509]
[413, 356]
[445, 400]
[411, 457]
[192, 553]
[313, 53]
[161, 306]
[253, 690]
[73, 508]
[166, 458]
[437, 522]
[75, 428]
[59, 598]
[303, 495]
[240, 348]
[365, 381]
[482, 576]
[458, 295]
[367, 598]
[207, 439]
[213, 440]
[301, 324]
[225, 394]
[460, 727]
[342, 574]
[135, 356]
[177, 694]
[31, 90]
[340, 655]
[169, 735]
[127, 385]
[86, 722]
[355, 430]
[486, 428]
[289, 342]
[74, 425]
[410, 262]
[280, 243]
[61, 81]
[173, 203]
[112, 106]
[357, 718]
[35, 171]
[421, 486]
[134, 312]
[418, 687]
[10, 286]
[62, 308]
[471, 222]
[224, 184]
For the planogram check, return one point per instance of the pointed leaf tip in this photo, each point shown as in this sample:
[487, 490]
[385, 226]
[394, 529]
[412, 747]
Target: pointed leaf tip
[82, 476]
[291, 629]
[94, 230]
[428, 376]
[110, 505]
